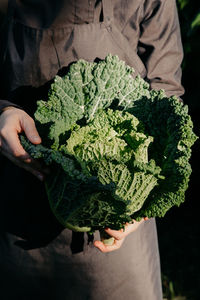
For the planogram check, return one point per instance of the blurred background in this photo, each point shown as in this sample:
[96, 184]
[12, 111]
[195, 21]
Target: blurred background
[179, 231]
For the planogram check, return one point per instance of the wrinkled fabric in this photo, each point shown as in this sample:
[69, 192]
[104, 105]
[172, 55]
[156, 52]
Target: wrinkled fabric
[38, 257]
[150, 27]
[132, 272]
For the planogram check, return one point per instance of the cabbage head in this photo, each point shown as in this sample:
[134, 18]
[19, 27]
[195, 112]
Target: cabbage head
[117, 149]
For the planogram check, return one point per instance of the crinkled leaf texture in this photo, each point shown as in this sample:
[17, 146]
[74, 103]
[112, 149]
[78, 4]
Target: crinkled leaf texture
[117, 149]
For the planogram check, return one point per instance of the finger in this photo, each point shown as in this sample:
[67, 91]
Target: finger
[122, 233]
[28, 125]
[12, 149]
[117, 234]
[128, 228]
[12, 145]
[108, 248]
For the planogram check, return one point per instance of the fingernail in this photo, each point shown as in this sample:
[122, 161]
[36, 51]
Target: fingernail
[35, 138]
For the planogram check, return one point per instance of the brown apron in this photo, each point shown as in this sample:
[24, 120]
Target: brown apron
[59, 264]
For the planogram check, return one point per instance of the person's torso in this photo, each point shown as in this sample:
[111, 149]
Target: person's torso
[48, 35]
[34, 54]
[44, 37]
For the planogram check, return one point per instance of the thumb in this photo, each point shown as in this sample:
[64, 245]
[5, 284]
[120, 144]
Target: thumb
[30, 130]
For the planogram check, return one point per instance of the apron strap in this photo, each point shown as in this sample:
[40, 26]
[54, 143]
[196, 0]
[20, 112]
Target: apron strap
[108, 15]
[5, 30]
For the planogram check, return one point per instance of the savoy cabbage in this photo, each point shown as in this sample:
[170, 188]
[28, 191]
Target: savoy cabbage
[118, 150]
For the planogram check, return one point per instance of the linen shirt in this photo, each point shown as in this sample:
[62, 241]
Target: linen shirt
[150, 26]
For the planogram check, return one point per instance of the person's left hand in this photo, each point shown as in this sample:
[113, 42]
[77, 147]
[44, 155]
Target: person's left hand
[119, 236]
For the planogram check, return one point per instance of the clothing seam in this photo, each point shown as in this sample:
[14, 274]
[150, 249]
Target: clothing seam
[56, 51]
[141, 7]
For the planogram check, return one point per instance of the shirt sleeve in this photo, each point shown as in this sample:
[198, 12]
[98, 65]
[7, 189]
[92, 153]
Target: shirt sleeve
[160, 46]
[5, 103]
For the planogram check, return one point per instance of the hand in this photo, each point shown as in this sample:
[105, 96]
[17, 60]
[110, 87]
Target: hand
[119, 236]
[12, 122]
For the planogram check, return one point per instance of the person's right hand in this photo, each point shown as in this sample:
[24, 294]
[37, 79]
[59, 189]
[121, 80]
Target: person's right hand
[14, 121]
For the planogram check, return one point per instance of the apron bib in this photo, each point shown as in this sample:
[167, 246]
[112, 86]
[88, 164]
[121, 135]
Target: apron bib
[31, 58]
[34, 56]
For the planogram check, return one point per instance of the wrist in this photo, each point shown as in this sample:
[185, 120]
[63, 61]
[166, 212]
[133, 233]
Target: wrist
[7, 108]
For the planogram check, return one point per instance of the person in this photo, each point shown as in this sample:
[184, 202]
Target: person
[39, 39]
